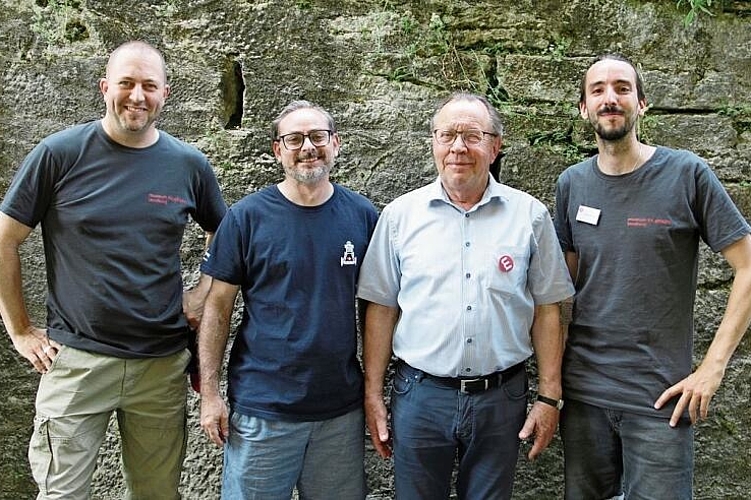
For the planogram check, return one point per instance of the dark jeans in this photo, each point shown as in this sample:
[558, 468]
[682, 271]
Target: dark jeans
[433, 423]
[610, 453]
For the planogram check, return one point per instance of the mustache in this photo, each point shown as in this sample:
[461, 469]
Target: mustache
[307, 156]
[609, 109]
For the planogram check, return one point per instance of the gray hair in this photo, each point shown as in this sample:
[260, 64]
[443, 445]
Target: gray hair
[294, 106]
[495, 119]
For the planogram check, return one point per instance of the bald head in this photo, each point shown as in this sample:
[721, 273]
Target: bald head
[136, 47]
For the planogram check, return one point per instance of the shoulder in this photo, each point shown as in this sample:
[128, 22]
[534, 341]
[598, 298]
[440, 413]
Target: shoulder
[178, 146]
[516, 196]
[578, 170]
[71, 138]
[257, 200]
[353, 197]
[411, 199]
[681, 163]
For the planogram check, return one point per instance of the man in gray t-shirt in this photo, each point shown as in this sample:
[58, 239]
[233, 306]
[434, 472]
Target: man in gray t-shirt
[629, 221]
[113, 198]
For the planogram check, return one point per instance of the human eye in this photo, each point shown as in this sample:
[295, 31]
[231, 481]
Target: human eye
[472, 136]
[293, 140]
[319, 137]
[445, 136]
[125, 84]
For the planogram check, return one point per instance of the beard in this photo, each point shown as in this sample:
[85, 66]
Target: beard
[129, 123]
[612, 134]
[305, 175]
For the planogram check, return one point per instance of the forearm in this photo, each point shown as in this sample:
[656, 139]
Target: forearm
[12, 306]
[734, 323]
[377, 345]
[737, 315]
[547, 341]
[212, 339]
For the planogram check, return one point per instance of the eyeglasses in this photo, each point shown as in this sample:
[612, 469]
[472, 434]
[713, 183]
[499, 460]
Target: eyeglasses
[295, 140]
[471, 137]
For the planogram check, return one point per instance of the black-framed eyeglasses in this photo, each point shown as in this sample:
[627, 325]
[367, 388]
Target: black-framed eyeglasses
[471, 136]
[295, 140]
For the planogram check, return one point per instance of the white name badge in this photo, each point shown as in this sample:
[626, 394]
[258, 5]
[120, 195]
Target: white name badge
[588, 215]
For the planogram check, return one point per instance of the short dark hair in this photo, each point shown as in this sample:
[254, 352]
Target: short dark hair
[616, 57]
[495, 119]
[294, 106]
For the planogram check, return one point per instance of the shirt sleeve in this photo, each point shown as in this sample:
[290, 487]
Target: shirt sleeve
[380, 275]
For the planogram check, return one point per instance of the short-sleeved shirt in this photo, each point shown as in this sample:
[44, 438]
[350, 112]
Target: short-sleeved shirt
[466, 282]
[632, 331]
[112, 222]
[295, 355]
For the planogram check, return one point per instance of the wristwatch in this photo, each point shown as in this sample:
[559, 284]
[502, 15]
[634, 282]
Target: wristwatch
[555, 403]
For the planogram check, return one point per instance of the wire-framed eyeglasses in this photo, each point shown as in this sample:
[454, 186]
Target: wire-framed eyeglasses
[471, 136]
[295, 140]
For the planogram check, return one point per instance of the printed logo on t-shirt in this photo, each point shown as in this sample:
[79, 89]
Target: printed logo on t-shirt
[163, 199]
[349, 258]
[505, 263]
[647, 221]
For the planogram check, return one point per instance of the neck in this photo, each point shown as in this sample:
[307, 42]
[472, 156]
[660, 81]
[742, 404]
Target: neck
[621, 157]
[308, 195]
[135, 140]
[465, 199]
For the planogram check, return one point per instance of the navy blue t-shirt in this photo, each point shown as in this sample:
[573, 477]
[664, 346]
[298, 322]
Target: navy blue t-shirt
[112, 221]
[295, 355]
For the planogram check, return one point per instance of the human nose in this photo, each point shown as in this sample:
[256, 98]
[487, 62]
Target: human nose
[307, 142]
[461, 145]
[136, 93]
[611, 95]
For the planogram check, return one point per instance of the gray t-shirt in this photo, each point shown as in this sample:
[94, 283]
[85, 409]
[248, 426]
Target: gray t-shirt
[632, 331]
[112, 222]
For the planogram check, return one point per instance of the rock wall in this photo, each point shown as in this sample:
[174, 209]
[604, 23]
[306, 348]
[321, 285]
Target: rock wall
[379, 66]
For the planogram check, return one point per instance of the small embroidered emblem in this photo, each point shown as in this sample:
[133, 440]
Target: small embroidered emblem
[348, 259]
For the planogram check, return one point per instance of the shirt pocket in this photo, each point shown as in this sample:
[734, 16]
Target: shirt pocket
[507, 269]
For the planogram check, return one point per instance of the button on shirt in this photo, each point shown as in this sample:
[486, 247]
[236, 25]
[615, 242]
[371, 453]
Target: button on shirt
[466, 282]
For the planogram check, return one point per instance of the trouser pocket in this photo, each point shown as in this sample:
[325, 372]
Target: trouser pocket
[40, 453]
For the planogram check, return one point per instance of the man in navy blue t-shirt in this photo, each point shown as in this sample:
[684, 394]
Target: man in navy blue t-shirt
[294, 382]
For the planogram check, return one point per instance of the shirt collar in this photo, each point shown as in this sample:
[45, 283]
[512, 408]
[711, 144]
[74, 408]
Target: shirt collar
[495, 191]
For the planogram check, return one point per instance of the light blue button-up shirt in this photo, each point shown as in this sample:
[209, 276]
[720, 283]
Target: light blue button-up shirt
[467, 281]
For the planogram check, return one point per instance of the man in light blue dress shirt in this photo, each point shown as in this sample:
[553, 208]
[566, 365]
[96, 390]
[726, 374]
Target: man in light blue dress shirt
[463, 279]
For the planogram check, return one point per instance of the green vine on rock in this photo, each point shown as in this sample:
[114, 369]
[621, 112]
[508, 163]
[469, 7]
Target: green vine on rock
[695, 7]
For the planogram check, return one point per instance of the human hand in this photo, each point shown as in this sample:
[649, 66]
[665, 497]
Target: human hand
[541, 423]
[214, 418]
[376, 418]
[696, 392]
[34, 345]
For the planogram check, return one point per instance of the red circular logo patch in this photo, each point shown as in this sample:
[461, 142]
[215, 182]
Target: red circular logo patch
[505, 263]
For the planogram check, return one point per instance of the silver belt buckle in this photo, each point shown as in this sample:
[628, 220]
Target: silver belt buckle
[464, 382]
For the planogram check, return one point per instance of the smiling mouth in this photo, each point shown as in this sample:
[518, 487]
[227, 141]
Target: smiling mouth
[308, 160]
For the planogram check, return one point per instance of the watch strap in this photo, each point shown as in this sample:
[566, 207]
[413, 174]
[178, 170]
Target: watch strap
[555, 403]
